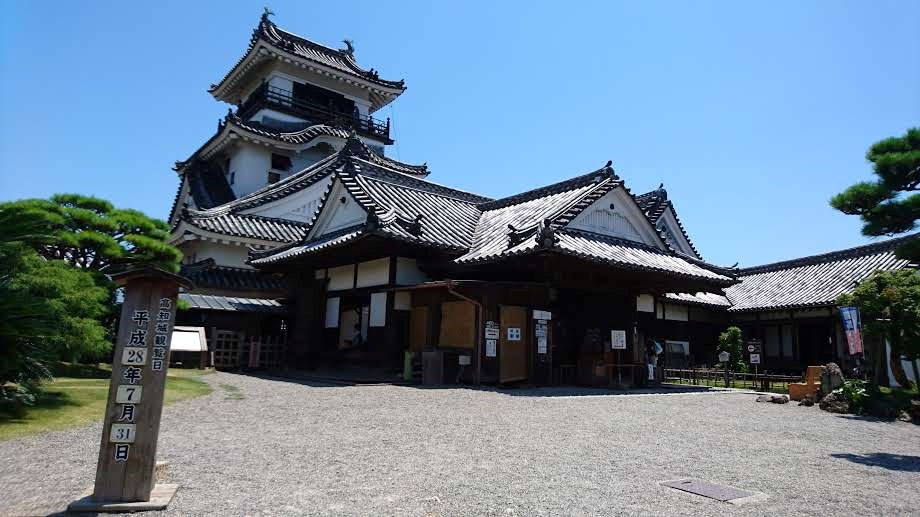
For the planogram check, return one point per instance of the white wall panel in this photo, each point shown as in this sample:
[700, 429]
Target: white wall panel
[332, 313]
[408, 273]
[374, 272]
[378, 310]
[342, 277]
[645, 303]
[676, 312]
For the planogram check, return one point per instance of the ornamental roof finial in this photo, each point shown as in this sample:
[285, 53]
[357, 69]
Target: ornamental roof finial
[266, 12]
[349, 47]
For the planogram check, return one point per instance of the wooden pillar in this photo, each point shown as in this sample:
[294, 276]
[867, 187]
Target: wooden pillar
[127, 451]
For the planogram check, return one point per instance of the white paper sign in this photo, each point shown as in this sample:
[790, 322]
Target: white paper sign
[755, 358]
[618, 340]
[122, 433]
[128, 394]
[134, 356]
[491, 347]
[542, 315]
[491, 330]
[541, 345]
[514, 333]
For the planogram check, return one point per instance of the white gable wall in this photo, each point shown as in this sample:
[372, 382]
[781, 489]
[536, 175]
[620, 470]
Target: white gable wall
[249, 166]
[624, 221]
[337, 214]
[223, 254]
[299, 206]
[668, 223]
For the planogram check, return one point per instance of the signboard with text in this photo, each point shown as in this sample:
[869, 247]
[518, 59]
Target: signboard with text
[127, 453]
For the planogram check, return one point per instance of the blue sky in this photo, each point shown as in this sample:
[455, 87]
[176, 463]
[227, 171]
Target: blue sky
[752, 114]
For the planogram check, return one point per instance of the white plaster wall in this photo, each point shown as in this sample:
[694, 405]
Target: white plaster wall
[306, 158]
[336, 214]
[250, 163]
[299, 206]
[625, 220]
[668, 221]
[378, 316]
[374, 272]
[223, 254]
[342, 277]
[645, 303]
[676, 312]
[332, 313]
[276, 115]
[408, 273]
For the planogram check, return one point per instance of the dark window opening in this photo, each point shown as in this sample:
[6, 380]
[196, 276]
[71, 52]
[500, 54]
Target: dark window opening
[274, 177]
[281, 162]
[232, 177]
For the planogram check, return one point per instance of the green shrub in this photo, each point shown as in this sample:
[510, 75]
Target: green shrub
[855, 393]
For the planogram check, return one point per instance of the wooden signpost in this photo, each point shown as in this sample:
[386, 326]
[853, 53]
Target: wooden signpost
[125, 477]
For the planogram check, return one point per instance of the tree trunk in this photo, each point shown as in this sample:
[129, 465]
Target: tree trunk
[917, 374]
[897, 370]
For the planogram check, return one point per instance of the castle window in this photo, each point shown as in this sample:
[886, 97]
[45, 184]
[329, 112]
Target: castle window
[281, 162]
[274, 177]
[233, 177]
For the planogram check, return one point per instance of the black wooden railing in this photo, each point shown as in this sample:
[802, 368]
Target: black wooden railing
[716, 378]
[268, 96]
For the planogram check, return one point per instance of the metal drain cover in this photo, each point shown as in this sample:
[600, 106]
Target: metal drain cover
[706, 489]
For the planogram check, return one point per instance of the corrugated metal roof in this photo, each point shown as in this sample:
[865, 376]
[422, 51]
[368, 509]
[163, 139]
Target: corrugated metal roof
[812, 281]
[231, 303]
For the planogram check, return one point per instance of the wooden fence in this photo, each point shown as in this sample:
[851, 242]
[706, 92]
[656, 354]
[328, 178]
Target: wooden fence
[716, 378]
[234, 350]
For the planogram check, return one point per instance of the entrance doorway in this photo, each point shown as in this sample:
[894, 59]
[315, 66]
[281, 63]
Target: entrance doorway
[513, 340]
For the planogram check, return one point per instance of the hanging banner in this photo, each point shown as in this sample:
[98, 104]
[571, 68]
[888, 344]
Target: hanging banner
[850, 318]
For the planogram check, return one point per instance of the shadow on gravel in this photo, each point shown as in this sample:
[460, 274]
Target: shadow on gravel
[306, 379]
[885, 460]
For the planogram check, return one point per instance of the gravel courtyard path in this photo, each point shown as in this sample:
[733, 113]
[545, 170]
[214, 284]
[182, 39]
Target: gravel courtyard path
[267, 447]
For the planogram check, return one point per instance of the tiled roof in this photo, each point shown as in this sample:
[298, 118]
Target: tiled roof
[246, 226]
[292, 251]
[341, 61]
[812, 281]
[524, 212]
[655, 204]
[300, 136]
[206, 274]
[230, 303]
[701, 298]
[631, 255]
[401, 207]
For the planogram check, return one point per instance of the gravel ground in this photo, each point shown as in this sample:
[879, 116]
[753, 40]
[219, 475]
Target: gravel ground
[283, 448]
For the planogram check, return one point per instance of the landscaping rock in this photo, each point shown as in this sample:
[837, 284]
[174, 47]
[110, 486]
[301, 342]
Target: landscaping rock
[904, 416]
[807, 401]
[764, 398]
[779, 399]
[881, 408]
[831, 378]
[835, 403]
[914, 410]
